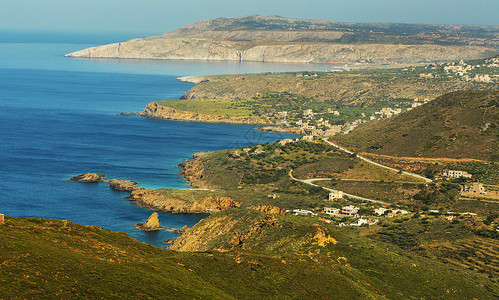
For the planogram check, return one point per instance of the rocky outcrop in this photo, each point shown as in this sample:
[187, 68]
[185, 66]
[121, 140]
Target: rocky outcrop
[122, 185]
[192, 171]
[177, 230]
[151, 224]
[162, 200]
[88, 177]
[292, 130]
[224, 232]
[115, 184]
[269, 209]
[155, 110]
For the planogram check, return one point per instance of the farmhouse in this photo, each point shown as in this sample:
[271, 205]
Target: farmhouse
[456, 174]
[335, 195]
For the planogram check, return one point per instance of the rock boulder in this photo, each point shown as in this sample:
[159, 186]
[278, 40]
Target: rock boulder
[151, 224]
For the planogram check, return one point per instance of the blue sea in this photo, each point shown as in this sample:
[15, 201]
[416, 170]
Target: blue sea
[59, 118]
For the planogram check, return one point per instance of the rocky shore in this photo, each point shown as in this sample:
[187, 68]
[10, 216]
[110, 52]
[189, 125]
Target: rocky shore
[162, 199]
[154, 110]
[192, 171]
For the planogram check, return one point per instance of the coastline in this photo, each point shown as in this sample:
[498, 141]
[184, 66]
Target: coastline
[156, 111]
[168, 200]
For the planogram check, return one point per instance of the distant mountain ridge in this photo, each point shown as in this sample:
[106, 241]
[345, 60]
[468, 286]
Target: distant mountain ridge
[341, 32]
[461, 124]
[279, 39]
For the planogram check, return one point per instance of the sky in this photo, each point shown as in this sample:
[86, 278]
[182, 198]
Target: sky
[152, 17]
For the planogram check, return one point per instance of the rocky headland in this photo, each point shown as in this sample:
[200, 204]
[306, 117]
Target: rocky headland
[154, 110]
[278, 39]
[194, 48]
[163, 199]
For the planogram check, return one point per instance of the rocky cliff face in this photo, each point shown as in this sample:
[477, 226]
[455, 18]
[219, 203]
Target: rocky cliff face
[156, 111]
[192, 171]
[206, 48]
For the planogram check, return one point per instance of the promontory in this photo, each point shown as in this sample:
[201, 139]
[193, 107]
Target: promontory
[278, 39]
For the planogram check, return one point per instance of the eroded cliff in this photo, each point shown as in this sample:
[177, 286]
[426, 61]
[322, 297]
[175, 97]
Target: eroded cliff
[205, 48]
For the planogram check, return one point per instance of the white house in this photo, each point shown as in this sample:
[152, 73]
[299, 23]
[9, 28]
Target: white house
[331, 211]
[456, 174]
[308, 113]
[349, 210]
[362, 221]
[335, 195]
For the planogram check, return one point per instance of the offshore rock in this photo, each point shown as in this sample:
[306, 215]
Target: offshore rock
[88, 177]
[151, 224]
[123, 185]
[115, 184]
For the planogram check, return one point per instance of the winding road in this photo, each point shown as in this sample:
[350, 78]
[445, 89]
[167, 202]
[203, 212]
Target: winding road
[312, 180]
[427, 180]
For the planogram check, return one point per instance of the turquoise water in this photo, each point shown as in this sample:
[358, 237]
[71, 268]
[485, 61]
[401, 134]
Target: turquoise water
[58, 118]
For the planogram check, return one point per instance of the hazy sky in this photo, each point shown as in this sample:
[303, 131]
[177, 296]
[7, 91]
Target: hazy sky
[158, 16]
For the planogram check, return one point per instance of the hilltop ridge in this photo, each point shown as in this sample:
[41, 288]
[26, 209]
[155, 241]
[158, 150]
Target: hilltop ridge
[461, 124]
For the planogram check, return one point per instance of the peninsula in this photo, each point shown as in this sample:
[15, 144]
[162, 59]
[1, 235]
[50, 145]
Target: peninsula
[278, 39]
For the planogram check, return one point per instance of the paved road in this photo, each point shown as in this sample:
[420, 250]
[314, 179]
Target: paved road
[310, 182]
[359, 180]
[427, 180]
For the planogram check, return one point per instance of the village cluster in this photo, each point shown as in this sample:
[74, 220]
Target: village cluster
[313, 125]
[471, 189]
[462, 70]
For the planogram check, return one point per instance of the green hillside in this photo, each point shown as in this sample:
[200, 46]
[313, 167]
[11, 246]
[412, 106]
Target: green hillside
[53, 259]
[461, 124]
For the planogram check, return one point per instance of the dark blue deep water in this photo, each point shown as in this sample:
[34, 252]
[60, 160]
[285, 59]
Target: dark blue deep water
[58, 118]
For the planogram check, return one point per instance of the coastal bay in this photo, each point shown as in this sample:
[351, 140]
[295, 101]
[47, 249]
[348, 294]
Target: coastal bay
[59, 119]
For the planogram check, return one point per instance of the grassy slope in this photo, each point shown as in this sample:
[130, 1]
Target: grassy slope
[449, 126]
[211, 107]
[382, 268]
[249, 178]
[41, 258]
[366, 88]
